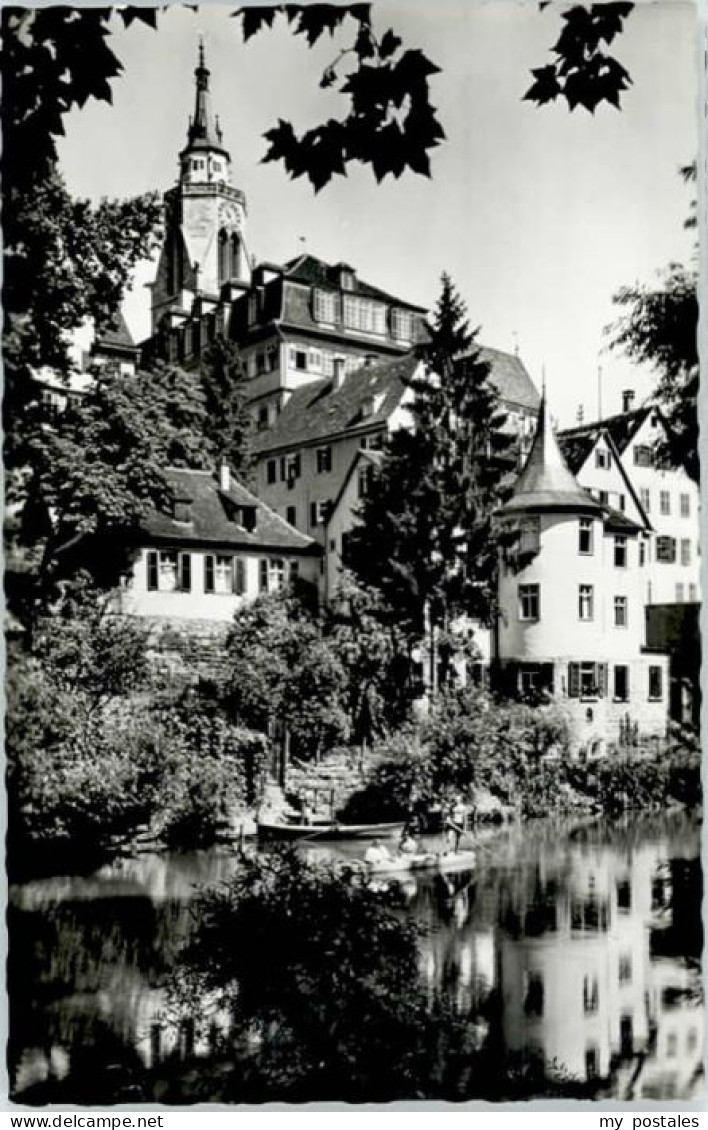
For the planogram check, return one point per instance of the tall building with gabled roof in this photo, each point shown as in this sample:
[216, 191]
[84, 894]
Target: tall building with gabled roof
[571, 624]
[616, 458]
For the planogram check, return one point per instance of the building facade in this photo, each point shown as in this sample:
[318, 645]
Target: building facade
[216, 550]
[600, 453]
[571, 624]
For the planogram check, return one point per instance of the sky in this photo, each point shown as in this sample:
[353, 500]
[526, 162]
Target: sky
[538, 214]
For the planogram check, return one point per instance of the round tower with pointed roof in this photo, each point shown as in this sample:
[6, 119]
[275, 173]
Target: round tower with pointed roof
[205, 218]
[571, 621]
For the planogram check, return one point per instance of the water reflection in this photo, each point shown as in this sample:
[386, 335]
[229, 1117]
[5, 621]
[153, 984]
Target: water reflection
[572, 946]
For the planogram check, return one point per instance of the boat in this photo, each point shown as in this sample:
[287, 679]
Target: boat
[426, 861]
[332, 830]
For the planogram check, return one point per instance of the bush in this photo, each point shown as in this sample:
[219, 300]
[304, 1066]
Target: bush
[396, 784]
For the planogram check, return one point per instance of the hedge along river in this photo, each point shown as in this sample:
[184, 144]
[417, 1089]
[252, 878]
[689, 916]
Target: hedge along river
[573, 944]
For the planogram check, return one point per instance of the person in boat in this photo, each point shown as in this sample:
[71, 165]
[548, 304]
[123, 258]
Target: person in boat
[306, 813]
[376, 853]
[408, 844]
[455, 824]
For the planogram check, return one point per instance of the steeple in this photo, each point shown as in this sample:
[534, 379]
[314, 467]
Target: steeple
[204, 131]
[546, 483]
[205, 217]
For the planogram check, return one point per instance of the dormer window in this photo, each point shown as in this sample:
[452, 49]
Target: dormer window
[363, 315]
[246, 517]
[347, 278]
[325, 306]
[182, 510]
[402, 325]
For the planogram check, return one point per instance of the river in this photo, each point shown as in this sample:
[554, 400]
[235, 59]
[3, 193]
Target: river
[574, 942]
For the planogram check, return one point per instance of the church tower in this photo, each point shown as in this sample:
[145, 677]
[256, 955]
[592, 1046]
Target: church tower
[205, 218]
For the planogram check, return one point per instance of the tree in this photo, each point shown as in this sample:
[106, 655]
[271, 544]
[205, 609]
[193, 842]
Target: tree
[283, 673]
[659, 327]
[65, 262]
[228, 424]
[375, 655]
[94, 479]
[316, 971]
[425, 537]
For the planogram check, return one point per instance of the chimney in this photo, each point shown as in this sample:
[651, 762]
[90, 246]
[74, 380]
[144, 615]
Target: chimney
[627, 399]
[338, 376]
[224, 478]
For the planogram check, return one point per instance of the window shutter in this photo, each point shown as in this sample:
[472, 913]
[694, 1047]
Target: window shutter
[264, 575]
[208, 573]
[240, 576]
[602, 679]
[313, 513]
[573, 680]
[185, 572]
[152, 571]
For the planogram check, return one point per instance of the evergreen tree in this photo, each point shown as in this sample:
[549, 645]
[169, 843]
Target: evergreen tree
[425, 538]
[227, 421]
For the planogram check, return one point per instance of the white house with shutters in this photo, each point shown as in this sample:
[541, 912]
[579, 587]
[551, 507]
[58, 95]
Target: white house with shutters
[616, 459]
[218, 548]
[571, 594]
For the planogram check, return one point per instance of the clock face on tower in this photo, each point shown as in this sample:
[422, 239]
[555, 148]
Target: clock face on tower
[230, 215]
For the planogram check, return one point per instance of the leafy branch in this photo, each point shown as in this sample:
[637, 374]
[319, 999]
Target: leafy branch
[583, 72]
[391, 125]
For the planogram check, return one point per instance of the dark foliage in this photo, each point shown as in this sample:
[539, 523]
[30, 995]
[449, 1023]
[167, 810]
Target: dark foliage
[391, 125]
[317, 968]
[227, 424]
[91, 479]
[583, 72]
[426, 538]
[659, 327]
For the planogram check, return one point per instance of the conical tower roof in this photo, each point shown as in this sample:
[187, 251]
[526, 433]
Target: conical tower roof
[204, 130]
[546, 483]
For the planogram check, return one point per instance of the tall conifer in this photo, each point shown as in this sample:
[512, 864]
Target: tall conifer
[425, 537]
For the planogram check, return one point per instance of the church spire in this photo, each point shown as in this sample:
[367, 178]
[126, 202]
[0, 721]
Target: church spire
[204, 130]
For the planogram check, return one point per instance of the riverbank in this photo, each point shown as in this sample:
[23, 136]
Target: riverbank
[394, 783]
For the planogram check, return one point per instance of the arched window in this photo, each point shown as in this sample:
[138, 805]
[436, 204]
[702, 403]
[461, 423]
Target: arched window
[175, 264]
[236, 256]
[224, 255]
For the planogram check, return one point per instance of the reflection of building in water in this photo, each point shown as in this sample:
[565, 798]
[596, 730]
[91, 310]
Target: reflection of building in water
[457, 949]
[674, 1066]
[579, 987]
